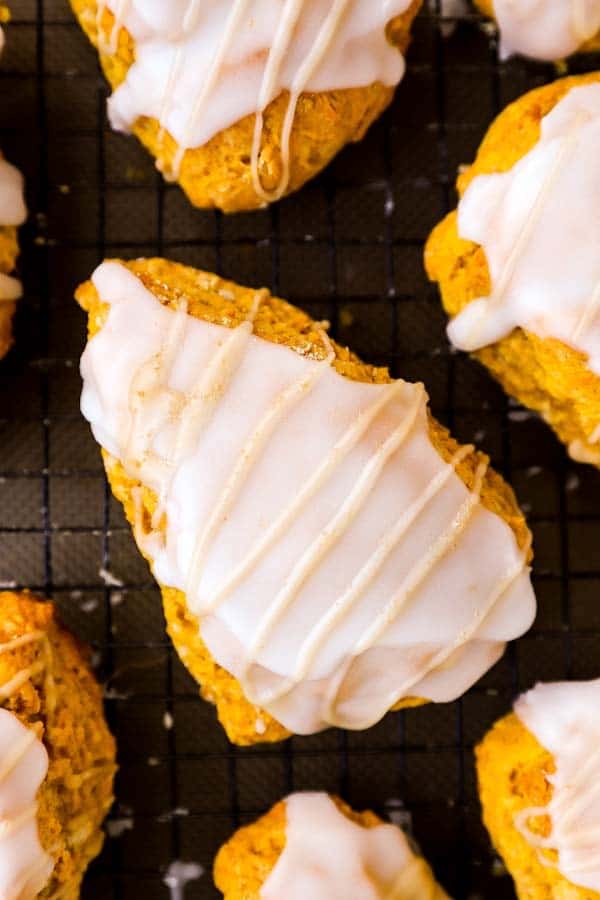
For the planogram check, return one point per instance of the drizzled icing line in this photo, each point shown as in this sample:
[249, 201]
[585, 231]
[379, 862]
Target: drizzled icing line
[445, 654]
[305, 48]
[238, 9]
[284, 462]
[11, 686]
[342, 607]
[316, 551]
[588, 315]
[324, 38]
[265, 429]
[308, 490]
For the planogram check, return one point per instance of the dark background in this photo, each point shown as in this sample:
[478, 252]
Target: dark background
[348, 248]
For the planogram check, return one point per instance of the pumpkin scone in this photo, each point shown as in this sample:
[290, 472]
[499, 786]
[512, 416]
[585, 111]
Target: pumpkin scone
[545, 29]
[518, 263]
[240, 101]
[326, 551]
[314, 845]
[539, 785]
[57, 757]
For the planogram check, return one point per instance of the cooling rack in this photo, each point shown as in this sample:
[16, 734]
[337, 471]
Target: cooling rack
[347, 248]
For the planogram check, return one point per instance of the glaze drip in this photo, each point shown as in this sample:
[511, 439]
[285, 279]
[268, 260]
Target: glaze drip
[565, 719]
[329, 857]
[201, 67]
[545, 29]
[308, 518]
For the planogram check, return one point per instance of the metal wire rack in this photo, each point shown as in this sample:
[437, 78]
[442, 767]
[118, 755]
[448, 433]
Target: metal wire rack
[347, 248]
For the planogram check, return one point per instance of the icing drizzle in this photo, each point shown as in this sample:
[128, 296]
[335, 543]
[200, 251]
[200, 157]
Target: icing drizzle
[539, 224]
[12, 212]
[314, 528]
[200, 67]
[565, 719]
[545, 29]
[329, 857]
[25, 867]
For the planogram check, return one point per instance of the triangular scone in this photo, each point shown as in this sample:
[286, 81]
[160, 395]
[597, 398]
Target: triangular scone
[547, 30]
[201, 130]
[342, 553]
[314, 845]
[57, 756]
[539, 785]
[535, 324]
[12, 213]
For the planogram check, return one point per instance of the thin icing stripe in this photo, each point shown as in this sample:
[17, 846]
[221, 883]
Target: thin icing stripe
[344, 604]
[332, 532]
[289, 397]
[307, 492]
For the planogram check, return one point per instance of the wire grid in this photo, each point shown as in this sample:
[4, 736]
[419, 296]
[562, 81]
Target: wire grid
[347, 248]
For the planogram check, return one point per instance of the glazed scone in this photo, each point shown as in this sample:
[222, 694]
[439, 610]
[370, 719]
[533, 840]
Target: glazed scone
[314, 845]
[517, 263]
[545, 29]
[539, 785]
[12, 214]
[318, 76]
[57, 756]
[305, 517]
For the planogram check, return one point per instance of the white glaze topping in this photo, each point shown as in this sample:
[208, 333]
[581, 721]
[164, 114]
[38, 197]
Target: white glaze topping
[565, 719]
[335, 562]
[329, 857]
[539, 224]
[12, 212]
[25, 867]
[202, 65]
[545, 29]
